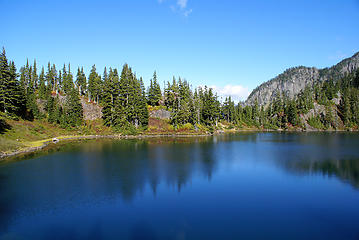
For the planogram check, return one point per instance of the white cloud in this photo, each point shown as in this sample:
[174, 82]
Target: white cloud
[237, 92]
[182, 3]
[187, 12]
[178, 6]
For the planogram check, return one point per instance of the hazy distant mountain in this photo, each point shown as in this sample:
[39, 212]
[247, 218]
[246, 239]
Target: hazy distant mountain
[293, 80]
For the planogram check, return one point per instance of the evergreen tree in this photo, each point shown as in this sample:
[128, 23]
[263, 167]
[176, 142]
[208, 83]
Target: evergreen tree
[131, 98]
[210, 109]
[81, 81]
[95, 85]
[154, 92]
[42, 86]
[31, 106]
[345, 108]
[73, 112]
[182, 108]
[328, 119]
[142, 105]
[49, 78]
[10, 93]
[54, 109]
[34, 76]
[67, 80]
[111, 112]
[292, 113]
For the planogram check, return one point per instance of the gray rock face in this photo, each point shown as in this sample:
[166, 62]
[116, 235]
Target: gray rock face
[92, 111]
[161, 114]
[293, 80]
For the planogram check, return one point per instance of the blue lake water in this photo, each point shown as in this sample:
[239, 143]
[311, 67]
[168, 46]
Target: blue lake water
[243, 186]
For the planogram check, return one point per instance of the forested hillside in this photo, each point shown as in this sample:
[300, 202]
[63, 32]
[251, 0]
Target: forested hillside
[55, 96]
[293, 80]
[61, 98]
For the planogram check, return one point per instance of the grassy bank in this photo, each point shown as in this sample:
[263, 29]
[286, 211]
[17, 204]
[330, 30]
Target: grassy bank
[20, 134]
[17, 136]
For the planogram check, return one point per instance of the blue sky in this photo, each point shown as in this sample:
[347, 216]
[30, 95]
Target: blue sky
[232, 46]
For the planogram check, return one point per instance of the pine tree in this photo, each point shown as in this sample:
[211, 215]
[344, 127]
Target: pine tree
[356, 79]
[49, 78]
[328, 119]
[255, 113]
[131, 98]
[42, 86]
[68, 83]
[154, 91]
[10, 94]
[143, 110]
[81, 81]
[31, 106]
[95, 85]
[34, 76]
[183, 107]
[171, 94]
[292, 113]
[345, 108]
[110, 112]
[73, 112]
[54, 109]
[210, 110]
[197, 107]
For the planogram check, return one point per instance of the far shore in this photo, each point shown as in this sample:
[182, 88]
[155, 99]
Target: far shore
[38, 145]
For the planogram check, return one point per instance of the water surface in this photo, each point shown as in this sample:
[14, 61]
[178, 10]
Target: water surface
[245, 186]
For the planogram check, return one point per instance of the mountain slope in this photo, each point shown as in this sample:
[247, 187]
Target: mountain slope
[293, 80]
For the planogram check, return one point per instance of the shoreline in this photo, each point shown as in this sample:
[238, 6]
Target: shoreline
[39, 145]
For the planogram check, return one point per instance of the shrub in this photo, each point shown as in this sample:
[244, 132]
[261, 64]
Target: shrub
[315, 122]
[188, 126]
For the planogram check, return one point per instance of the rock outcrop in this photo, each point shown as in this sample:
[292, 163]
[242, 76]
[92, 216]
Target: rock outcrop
[293, 80]
[92, 111]
[161, 114]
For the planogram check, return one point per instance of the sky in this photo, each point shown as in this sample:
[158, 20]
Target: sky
[232, 46]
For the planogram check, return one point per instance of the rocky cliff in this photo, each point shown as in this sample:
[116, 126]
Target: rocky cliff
[293, 80]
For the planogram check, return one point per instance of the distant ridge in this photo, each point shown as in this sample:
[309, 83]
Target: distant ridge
[293, 80]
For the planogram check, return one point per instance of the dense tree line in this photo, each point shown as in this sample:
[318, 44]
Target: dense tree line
[284, 112]
[125, 100]
[122, 97]
[21, 93]
[202, 106]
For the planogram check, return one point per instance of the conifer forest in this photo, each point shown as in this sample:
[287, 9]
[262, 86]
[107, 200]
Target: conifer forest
[125, 100]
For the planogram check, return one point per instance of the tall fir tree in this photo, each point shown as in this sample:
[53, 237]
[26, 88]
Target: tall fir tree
[73, 111]
[154, 92]
[110, 110]
[81, 81]
[10, 91]
[95, 85]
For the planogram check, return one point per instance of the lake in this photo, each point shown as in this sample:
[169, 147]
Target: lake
[240, 186]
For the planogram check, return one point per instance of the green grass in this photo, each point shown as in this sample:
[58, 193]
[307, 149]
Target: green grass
[8, 144]
[21, 134]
